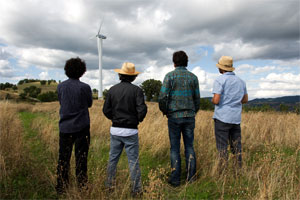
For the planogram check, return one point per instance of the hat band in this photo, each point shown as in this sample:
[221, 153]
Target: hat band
[225, 65]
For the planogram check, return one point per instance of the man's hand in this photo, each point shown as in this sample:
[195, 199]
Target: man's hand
[245, 99]
[216, 99]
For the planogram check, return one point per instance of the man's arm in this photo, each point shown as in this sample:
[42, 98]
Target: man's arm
[245, 99]
[164, 96]
[107, 108]
[197, 96]
[58, 93]
[140, 105]
[90, 97]
[216, 99]
[217, 91]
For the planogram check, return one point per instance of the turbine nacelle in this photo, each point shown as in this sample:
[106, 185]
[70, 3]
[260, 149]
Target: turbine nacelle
[101, 36]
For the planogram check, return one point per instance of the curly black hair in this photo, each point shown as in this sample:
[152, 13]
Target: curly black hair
[180, 58]
[75, 68]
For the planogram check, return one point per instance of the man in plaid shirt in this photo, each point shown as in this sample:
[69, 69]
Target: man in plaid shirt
[179, 100]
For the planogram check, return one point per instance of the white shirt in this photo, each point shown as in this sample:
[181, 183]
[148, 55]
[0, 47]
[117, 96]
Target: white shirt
[123, 132]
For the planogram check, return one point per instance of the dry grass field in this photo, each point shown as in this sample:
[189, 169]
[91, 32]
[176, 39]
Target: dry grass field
[29, 150]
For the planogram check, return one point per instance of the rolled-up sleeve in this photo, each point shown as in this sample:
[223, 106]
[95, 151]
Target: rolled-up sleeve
[217, 87]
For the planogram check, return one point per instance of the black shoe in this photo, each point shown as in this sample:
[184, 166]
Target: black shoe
[60, 191]
[176, 184]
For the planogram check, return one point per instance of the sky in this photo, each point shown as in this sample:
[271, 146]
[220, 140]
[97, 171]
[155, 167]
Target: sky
[262, 36]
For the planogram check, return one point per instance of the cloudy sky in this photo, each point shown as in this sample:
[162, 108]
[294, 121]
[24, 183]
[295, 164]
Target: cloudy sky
[262, 36]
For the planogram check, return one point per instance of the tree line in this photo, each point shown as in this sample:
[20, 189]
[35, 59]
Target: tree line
[151, 89]
[43, 82]
[7, 85]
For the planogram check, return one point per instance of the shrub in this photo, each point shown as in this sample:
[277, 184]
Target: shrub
[48, 96]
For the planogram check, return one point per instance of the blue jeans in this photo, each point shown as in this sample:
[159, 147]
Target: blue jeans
[185, 126]
[131, 144]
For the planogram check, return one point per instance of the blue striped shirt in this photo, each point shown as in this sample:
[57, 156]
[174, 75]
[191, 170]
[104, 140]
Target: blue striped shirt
[232, 90]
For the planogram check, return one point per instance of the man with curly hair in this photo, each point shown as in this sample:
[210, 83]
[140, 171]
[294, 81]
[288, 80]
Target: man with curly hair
[75, 97]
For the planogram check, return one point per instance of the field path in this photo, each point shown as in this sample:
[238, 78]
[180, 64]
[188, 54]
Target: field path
[36, 181]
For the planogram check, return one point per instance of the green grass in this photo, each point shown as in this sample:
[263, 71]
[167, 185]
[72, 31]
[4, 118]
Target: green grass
[31, 180]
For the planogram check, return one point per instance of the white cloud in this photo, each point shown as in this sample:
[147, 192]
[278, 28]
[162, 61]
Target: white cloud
[44, 76]
[201, 74]
[6, 71]
[239, 49]
[244, 68]
[275, 85]
[36, 33]
[294, 63]
[251, 69]
[259, 70]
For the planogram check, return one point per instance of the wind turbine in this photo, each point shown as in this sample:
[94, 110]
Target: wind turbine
[99, 44]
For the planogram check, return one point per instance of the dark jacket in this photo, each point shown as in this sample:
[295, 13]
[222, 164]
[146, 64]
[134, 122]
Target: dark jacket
[75, 97]
[125, 105]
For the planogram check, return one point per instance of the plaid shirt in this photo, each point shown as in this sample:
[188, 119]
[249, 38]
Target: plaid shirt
[179, 95]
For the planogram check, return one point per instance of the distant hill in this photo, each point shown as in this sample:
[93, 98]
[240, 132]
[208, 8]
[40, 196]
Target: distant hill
[285, 100]
[290, 102]
[45, 88]
[14, 94]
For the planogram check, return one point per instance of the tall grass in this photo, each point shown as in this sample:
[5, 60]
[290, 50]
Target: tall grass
[11, 144]
[270, 142]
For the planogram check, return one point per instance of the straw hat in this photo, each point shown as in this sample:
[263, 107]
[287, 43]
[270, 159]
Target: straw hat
[127, 69]
[225, 63]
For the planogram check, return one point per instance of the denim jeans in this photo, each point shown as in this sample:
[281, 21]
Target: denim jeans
[185, 126]
[131, 144]
[228, 133]
[81, 140]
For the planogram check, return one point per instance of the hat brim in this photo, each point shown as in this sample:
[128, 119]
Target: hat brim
[230, 69]
[120, 71]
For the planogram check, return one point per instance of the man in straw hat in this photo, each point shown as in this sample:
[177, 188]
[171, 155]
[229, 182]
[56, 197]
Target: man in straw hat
[179, 99]
[229, 94]
[125, 107]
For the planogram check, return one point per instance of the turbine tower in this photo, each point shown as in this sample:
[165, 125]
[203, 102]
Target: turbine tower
[99, 43]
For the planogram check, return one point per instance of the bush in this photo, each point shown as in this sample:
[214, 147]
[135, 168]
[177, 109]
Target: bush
[32, 91]
[3, 86]
[48, 96]
[206, 104]
[23, 95]
[151, 89]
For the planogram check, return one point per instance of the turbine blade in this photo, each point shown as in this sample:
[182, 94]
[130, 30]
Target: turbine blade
[92, 37]
[100, 25]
